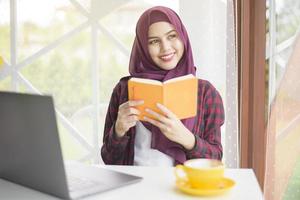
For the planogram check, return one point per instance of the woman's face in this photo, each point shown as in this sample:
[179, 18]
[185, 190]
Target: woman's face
[164, 45]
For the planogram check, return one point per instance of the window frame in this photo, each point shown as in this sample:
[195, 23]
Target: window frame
[251, 39]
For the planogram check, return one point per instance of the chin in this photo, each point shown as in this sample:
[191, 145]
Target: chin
[167, 67]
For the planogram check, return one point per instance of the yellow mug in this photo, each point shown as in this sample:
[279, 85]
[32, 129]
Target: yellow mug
[200, 173]
[1, 62]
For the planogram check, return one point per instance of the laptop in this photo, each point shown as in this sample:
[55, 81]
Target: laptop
[30, 152]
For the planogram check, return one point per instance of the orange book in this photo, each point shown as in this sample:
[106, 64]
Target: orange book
[179, 95]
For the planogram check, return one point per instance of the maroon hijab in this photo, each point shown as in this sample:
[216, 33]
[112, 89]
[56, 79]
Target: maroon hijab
[142, 66]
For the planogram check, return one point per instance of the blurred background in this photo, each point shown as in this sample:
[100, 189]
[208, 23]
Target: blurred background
[77, 50]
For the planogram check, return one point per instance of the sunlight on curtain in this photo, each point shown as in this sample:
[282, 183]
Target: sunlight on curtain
[231, 108]
[210, 25]
[282, 179]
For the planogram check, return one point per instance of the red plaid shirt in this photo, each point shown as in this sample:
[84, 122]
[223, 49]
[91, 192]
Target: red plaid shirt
[209, 119]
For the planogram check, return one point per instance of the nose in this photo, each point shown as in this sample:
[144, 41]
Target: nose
[165, 45]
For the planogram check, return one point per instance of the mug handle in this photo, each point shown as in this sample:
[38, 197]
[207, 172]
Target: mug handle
[180, 173]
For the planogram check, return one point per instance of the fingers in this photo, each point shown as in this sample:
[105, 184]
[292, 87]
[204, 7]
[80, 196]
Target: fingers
[167, 114]
[127, 116]
[157, 115]
[160, 125]
[123, 126]
[127, 108]
[166, 111]
[165, 122]
[132, 118]
[129, 111]
[131, 103]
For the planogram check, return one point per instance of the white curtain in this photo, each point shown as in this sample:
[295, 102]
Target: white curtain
[210, 24]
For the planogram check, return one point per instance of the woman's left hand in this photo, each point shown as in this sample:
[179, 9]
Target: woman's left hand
[171, 127]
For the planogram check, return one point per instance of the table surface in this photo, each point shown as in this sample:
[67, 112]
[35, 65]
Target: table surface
[158, 183]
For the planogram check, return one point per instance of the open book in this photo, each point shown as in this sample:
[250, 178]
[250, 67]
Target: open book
[179, 95]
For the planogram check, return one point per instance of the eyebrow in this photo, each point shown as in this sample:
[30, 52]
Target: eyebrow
[153, 37]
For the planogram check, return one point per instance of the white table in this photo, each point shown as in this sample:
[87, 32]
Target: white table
[158, 183]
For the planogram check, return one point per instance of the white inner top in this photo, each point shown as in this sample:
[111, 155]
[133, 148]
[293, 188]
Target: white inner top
[144, 155]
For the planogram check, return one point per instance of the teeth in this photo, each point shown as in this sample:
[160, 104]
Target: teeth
[167, 57]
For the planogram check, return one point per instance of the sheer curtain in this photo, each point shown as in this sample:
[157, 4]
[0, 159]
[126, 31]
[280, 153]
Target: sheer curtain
[282, 177]
[210, 25]
[283, 147]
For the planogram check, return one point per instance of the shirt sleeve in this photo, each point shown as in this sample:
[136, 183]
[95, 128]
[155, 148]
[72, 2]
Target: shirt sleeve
[208, 135]
[113, 148]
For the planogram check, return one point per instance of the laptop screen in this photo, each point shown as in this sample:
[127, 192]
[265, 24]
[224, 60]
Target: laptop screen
[30, 152]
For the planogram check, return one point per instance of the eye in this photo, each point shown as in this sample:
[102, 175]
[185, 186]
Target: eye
[172, 36]
[154, 41]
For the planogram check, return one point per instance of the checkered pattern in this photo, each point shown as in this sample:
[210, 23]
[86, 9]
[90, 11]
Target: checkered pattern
[207, 129]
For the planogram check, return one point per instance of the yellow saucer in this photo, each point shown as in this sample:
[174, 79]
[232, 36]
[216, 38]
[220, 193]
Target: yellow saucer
[223, 186]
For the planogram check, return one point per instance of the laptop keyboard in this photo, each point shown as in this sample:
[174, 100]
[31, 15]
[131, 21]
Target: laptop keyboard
[76, 183]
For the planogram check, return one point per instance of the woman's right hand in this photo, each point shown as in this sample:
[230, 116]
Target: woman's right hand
[127, 117]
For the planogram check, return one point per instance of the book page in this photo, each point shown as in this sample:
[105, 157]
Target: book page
[181, 97]
[180, 78]
[150, 93]
[145, 80]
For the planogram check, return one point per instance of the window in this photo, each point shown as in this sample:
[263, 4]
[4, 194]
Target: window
[283, 149]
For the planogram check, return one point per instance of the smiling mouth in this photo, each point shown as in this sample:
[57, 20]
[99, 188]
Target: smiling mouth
[167, 57]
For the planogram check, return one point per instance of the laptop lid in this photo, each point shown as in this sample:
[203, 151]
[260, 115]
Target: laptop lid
[30, 152]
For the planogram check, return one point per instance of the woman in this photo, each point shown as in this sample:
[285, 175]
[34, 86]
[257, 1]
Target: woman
[161, 51]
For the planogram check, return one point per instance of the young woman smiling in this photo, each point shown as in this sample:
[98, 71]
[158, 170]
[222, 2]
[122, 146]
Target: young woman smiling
[161, 51]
